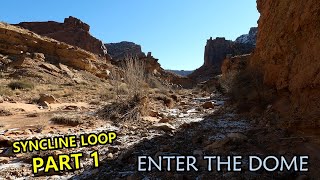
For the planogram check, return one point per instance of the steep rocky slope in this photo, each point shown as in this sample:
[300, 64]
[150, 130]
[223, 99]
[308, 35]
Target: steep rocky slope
[17, 44]
[288, 52]
[72, 31]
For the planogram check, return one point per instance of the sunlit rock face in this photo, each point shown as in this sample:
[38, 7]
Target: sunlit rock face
[250, 38]
[216, 50]
[287, 50]
[72, 31]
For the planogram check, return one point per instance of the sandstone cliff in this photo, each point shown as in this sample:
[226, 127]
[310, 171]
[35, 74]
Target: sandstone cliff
[288, 52]
[216, 51]
[17, 43]
[73, 31]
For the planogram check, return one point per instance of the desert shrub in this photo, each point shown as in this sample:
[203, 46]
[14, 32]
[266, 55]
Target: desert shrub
[134, 76]
[131, 109]
[226, 82]
[4, 112]
[130, 81]
[20, 85]
[5, 91]
[66, 120]
[32, 115]
[153, 82]
[247, 89]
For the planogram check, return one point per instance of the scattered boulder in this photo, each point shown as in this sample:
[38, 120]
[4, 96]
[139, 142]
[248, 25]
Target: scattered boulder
[50, 67]
[4, 160]
[182, 103]
[47, 98]
[110, 156]
[39, 56]
[79, 80]
[164, 120]
[44, 105]
[174, 97]
[4, 141]
[163, 126]
[4, 112]
[208, 105]
[153, 113]
[66, 70]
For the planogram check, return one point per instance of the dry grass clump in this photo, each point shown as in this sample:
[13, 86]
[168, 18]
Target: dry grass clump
[155, 83]
[131, 82]
[5, 91]
[119, 111]
[109, 94]
[20, 85]
[135, 76]
[4, 112]
[66, 120]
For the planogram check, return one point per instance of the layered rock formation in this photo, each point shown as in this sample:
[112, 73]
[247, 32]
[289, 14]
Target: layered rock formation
[288, 45]
[216, 51]
[73, 31]
[124, 49]
[17, 43]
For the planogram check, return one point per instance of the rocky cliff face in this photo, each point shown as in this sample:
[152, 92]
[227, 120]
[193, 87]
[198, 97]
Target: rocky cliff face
[73, 31]
[288, 45]
[250, 38]
[124, 49]
[17, 43]
[216, 51]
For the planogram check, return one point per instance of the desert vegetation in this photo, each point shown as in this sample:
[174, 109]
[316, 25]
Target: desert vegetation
[26, 85]
[130, 82]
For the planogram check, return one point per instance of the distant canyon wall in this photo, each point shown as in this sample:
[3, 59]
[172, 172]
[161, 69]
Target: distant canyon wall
[216, 50]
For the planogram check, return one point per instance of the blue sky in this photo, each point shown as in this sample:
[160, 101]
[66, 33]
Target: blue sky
[175, 31]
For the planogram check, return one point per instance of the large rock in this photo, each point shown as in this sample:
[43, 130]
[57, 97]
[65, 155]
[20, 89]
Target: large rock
[163, 126]
[47, 98]
[287, 51]
[208, 105]
[72, 31]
